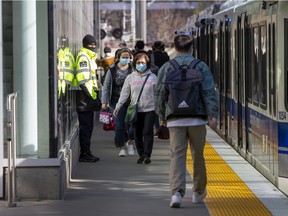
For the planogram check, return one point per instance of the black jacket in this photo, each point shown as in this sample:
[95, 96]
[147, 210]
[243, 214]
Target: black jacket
[85, 102]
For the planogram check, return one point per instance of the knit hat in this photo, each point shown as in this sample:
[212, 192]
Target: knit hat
[159, 45]
[88, 39]
[140, 44]
[107, 50]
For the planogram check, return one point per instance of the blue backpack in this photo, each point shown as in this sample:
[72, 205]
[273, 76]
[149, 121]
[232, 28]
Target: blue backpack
[183, 84]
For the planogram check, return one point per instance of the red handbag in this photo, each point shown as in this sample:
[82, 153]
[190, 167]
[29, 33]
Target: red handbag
[109, 127]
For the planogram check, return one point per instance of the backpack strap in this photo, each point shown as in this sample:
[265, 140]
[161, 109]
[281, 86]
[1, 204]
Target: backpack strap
[194, 63]
[152, 58]
[174, 64]
[191, 65]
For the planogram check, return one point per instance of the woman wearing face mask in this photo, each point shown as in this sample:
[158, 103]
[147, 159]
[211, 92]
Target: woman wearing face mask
[113, 83]
[143, 128]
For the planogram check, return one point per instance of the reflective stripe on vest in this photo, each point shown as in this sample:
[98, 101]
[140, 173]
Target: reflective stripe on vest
[86, 75]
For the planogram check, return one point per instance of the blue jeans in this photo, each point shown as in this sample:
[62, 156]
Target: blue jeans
[121, 135]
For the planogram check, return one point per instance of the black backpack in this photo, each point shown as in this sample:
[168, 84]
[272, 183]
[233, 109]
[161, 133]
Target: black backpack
[183, 84]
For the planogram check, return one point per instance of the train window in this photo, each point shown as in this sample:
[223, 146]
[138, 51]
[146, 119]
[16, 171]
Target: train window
[263, 66]
[235, 63]
[285, 64]
[248, 60]
[216, 62]
[255, 64]
[274, 69]
[228, 60]
[269, 69]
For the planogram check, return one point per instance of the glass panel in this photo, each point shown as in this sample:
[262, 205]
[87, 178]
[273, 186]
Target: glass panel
[7, 59]
[72, 21]
[255, 65]
[286, 65]
[263, 65]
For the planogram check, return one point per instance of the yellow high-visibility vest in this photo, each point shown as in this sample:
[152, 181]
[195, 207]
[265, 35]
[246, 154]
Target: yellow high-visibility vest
[61, 69]
[86, 71]
[69, 64]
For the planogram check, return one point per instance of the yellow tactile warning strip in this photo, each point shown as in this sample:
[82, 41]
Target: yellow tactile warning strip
[227, 193]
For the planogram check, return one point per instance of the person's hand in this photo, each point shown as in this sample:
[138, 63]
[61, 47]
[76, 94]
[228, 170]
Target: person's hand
[212, 122]
[104, 106]
[115, 113]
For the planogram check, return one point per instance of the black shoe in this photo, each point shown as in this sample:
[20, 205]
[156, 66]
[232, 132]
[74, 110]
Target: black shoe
[87, 158]
[140, 160]
[147, 161]
[92, 156]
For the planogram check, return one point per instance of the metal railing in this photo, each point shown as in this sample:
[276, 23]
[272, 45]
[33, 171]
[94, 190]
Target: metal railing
[11, 150]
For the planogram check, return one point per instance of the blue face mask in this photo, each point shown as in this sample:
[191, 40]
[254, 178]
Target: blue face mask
[141, 67]
[124, 61]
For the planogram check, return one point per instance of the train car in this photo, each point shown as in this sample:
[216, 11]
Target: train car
[246, 46]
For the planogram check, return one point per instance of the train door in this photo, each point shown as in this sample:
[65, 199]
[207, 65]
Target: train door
[222, 79]
[243, 103]
[272, 143]
[238, 82]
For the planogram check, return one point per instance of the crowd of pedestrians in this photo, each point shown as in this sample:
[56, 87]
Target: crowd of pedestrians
[138, 76]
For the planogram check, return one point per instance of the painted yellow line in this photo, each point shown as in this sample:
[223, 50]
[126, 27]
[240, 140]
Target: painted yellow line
[227, 193]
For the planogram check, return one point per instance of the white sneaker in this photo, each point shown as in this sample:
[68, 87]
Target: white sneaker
[122, 153]
[199, 197]
[130, 149]
[176, 200]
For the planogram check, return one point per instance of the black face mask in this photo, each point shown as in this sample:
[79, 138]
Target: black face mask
[92, 49]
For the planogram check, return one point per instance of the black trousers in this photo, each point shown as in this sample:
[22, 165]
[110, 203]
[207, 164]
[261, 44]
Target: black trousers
[86, 124]
[144, 133]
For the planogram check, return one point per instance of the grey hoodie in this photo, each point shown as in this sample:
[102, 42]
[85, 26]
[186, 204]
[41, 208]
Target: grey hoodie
[132, 85]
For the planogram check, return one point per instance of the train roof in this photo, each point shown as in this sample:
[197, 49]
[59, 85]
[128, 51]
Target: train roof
[232, 3]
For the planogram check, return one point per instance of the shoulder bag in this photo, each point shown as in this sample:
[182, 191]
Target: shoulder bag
[131, 115]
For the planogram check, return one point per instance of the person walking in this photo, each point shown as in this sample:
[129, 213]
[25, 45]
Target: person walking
[105, 62]
[158, 57]
[139, 48]
[87, 98]
[113, 84]
[143, 128]
[187, 130]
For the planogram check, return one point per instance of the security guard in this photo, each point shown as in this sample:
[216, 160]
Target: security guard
[69, 62]
[60, 68]
[87, 98]
[66, 67]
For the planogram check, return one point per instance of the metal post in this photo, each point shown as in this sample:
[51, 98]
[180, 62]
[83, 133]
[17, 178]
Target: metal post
[133, 20]
[143, 21]
[11, 150]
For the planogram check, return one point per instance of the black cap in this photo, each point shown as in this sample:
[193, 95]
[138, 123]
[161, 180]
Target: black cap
[107, 50]
[158, 45]
[88, 39]
[140, 44]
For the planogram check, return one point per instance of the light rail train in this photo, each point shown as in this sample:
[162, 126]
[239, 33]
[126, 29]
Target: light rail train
[246, 46]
